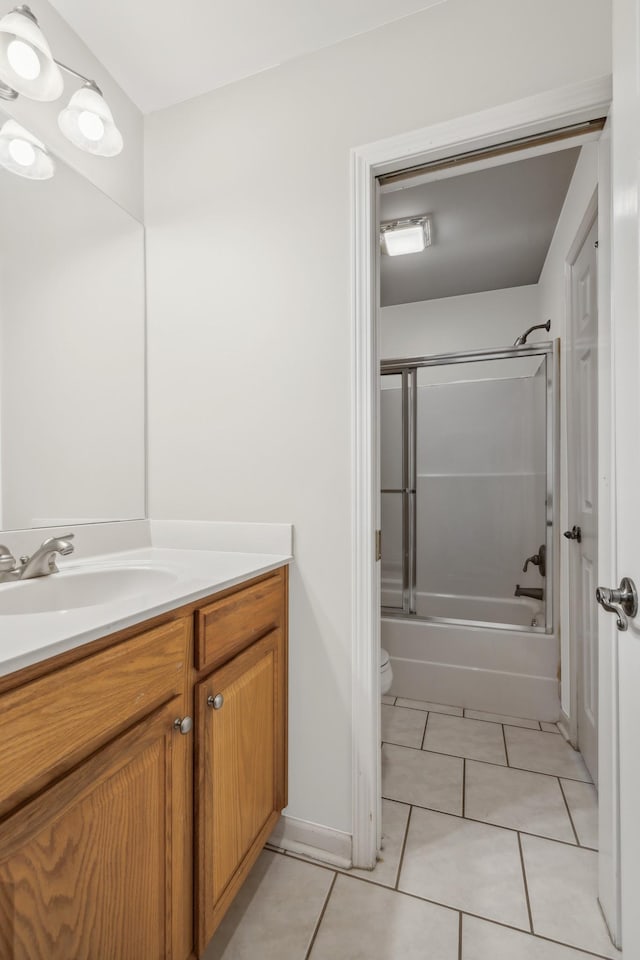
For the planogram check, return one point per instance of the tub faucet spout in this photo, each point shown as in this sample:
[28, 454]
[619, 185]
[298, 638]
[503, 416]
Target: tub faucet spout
[534, 593]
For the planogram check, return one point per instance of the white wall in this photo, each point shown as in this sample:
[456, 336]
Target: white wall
[470, 322]
[553, 302]
[119, 177]
[247, 209]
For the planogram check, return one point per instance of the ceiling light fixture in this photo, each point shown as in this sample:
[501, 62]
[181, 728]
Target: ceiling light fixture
[22, 153]
[28, 67]
[409, 235]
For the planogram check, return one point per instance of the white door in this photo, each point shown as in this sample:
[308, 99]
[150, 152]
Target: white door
[625, 366]
[583, 487]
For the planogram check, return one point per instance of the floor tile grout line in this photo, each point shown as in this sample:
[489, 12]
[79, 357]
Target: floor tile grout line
[505, 723]
[516, 726]
[503, 766]
[429, 709]
[476, 916]
[536, 936]
[321, 917]
[464, 784]
[524, 880]
[318, 863]
[498, 826]
[504, 740]
[566, 803]
[424, 732]
[404, 847]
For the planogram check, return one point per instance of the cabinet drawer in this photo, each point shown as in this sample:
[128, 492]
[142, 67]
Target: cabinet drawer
[227, 626]
[53, 723]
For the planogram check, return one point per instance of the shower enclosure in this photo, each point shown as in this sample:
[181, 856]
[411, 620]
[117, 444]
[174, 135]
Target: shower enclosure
[467, 476]
[468, 467]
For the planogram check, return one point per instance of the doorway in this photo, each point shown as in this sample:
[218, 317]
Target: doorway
[540, 113]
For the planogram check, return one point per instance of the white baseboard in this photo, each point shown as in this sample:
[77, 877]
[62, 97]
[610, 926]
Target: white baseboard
[313, 841]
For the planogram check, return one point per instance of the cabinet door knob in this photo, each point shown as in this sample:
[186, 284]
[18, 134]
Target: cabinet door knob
[216, 702]
[184, 726]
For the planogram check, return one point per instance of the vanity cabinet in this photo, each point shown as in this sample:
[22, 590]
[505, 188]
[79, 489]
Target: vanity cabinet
[95, 840]
[239, 710]
[140, 778]
[241, 744]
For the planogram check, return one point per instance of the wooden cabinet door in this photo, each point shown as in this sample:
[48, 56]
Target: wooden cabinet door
[239, 775]
[85, 867]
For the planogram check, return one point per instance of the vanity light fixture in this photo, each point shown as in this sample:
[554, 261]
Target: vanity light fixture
[28, 67]
[409, 235]
[88, 122]
[26, 62]
[22, 153]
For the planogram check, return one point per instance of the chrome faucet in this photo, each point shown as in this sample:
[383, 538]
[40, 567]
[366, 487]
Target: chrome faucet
[40, 564]
[534, 593]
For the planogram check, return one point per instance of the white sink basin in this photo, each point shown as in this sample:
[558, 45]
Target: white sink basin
[73, 589]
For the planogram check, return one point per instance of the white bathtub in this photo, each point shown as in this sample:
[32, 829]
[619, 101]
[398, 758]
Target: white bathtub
[503, 666]
[512, 611]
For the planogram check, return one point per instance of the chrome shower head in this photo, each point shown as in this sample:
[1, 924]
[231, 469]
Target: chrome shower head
[522, 339]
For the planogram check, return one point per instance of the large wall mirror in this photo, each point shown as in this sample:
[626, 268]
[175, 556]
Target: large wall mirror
[72, 354]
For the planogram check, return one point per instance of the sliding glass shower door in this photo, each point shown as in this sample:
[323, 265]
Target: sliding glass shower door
[467, 475]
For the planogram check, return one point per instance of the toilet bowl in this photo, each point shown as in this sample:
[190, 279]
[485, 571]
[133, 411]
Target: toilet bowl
[386, 674]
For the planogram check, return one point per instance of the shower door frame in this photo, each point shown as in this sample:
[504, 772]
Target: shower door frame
[408, 369]
[408, 490]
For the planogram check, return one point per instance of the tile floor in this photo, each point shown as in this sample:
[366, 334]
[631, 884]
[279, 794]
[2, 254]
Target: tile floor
[490, 835]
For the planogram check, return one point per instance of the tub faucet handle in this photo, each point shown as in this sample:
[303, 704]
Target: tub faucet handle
[539, 560]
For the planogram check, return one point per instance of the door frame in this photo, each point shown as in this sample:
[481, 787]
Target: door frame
[544, 112]
[570, 723]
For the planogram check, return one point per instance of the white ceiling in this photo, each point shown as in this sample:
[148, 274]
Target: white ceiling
[491, 229]
[164, 51]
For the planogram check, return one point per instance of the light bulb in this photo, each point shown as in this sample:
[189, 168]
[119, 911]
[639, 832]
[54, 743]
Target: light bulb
[23, 59]
[91, 125]
[22, 152]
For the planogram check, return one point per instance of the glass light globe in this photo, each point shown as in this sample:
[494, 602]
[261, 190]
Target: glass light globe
[88, 123]
[91, 125]
[22, 152]
[23, 59]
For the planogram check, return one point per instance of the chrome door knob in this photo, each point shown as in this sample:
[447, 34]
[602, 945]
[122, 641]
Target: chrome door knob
[216, 702]
[623, 601]
[184, 726]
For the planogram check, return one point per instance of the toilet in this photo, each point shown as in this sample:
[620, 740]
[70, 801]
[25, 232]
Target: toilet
[386, 674]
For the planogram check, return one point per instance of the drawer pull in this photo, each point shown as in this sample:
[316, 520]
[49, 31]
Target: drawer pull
[184, 726]
[216, 702]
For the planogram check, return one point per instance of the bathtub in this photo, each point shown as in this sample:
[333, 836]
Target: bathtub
[511, 611]
[507, 665]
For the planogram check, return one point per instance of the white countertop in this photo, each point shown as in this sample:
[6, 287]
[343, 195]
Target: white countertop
[26, 639]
